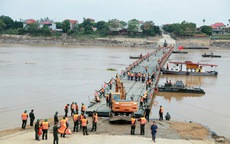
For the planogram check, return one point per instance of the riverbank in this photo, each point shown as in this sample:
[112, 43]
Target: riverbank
[117, 41]
[168, 132]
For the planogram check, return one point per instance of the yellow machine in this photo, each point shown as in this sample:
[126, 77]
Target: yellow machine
[121, 109]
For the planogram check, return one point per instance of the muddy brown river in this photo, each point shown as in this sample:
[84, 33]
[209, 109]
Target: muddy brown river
[45, 78]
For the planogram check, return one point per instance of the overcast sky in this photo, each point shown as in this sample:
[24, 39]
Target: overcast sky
[159, 11]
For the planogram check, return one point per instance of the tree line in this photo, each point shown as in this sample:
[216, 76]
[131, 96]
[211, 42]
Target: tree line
[133, 27]
[102, 28]
[187, 29]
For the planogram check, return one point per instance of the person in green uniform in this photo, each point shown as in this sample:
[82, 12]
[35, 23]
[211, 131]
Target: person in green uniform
[36, 129]
[55, 133]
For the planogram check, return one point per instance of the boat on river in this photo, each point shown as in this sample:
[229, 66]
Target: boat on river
[211, 55]
[134, 57]
[180, 52]
[190, 68]
[179, 87]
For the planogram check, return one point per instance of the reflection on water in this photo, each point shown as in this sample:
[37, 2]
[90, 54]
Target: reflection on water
[177, 96]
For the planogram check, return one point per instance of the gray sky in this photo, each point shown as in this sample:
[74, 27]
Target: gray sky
[159, 11]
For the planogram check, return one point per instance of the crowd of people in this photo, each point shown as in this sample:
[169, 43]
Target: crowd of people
[80, 122]
[61, 126]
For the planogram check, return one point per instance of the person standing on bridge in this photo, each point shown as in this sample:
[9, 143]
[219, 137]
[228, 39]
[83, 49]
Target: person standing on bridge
[141, 102]
[83, 108]
[133, 125]
[146, 69]
[147, 112]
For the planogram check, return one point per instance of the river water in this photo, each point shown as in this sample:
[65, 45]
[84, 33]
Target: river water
[45, 78]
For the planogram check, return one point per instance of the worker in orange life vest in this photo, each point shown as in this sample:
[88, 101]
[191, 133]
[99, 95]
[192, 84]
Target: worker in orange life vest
[66, 108]
[94, 121]
[83, 108]
[24, 119]
[72, 108]
[141, 102]
[76, 122]
[133, 125]
[45, 126]
[76, 107]
[84, 123]
[161, 111]
[142, 125]
[63, 127]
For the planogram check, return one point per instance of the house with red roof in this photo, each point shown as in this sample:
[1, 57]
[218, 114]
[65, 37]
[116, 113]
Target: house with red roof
[218, 28]
[48, 23]
[28, 21]
[73, 23]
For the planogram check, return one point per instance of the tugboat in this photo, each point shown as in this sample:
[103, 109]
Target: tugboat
[190, 69]
[179, 87]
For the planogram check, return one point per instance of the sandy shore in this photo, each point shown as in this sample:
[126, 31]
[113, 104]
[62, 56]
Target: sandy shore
[169, 132]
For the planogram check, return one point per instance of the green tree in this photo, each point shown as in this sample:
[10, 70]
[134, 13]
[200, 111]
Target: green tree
[87, 25]
[148, 28]
[65, 26]
[2, 25]
[133, 26]
[206, 29]
[114, 23]
[45, 31]
[8, 21]
[33, 28]
[58, 25]
[102, 27]
[17, 24]
[123, 24]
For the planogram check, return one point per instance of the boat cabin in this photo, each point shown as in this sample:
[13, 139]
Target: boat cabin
[179, 84]
[189, 66]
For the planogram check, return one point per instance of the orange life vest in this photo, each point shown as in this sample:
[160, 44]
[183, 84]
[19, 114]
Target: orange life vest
[62, 122]
[143, 120]
[24, 116]
[95, 118]
[141, 99]
[102, 90]
[75, 117]
[73, 106]
[45, 125]
[162, 110]
[83, 108]
[133, 121]
[83, 122]
[81, 117]
[66, 107]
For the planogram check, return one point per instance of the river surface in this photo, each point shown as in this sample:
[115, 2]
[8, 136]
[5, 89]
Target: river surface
[45, 78]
